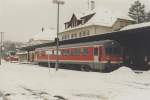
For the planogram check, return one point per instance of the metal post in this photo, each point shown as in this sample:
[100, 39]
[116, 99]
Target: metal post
[49, 63]
[1, 44]
[58, 2]
[57, 40]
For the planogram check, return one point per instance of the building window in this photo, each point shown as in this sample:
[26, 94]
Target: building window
[66, 25]
[68, 37]
[82, 21]
[88, 32]
[72, 36]
[63, 37]
[83, 33]
[80, 34]
[75, 35]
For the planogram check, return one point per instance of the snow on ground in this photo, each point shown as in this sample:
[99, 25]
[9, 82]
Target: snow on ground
[31, 82]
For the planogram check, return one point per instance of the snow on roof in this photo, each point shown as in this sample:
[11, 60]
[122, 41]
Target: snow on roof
[103, 17]
[106, 17]
[47, 34]
[134, 26]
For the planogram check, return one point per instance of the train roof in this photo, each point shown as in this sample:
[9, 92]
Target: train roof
[100, 42]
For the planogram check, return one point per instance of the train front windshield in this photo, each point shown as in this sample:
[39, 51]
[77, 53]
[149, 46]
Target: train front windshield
[113, 51]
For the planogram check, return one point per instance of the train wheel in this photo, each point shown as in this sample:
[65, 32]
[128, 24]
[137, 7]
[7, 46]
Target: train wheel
[52, 65]
[85, 68]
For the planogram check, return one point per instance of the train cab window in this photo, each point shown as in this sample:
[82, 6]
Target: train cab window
[96, 51]
[85, 51]
[113, 51]
[109, 50]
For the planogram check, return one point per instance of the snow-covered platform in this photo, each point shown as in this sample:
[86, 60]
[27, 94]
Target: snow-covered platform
[31, 82]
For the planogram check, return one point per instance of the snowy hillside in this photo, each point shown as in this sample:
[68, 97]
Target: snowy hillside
[31, 82]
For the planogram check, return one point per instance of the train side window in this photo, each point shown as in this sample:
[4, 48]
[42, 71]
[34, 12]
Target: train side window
[48, 52]
[62, 52]
[66, 52]
[52, 52]
[96, 51]
[55, 52]
[77, 52]
[42, 53]
[59, 52]
[85, 51]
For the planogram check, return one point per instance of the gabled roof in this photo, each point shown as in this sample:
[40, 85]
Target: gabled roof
[106, 17]
[73, 16]
[101, 16]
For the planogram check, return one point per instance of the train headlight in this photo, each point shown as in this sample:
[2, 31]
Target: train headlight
[107, 58]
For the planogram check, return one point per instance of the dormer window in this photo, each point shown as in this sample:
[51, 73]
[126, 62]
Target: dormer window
[82, 21]
[66, 25]
[74, 21]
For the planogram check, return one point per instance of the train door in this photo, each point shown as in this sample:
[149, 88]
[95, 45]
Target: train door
[96, 53]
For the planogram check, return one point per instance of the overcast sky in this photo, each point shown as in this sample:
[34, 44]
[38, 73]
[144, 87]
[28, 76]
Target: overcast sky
[22, 19]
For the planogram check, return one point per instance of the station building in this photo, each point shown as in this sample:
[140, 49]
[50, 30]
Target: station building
[93, 22]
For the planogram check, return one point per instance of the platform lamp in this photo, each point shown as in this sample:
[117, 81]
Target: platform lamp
[58, 2]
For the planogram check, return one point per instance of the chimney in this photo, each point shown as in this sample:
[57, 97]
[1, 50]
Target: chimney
[42, 29]
[92, 5]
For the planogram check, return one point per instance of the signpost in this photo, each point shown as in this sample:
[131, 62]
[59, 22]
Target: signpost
[1, 45]
[48, 60]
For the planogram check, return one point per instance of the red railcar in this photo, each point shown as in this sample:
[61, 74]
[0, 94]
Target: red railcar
[12, 58]
[102, 55]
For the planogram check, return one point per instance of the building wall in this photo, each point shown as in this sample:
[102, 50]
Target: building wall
[120, 23]
[84, 31]
[93, 30]
[102, 29]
